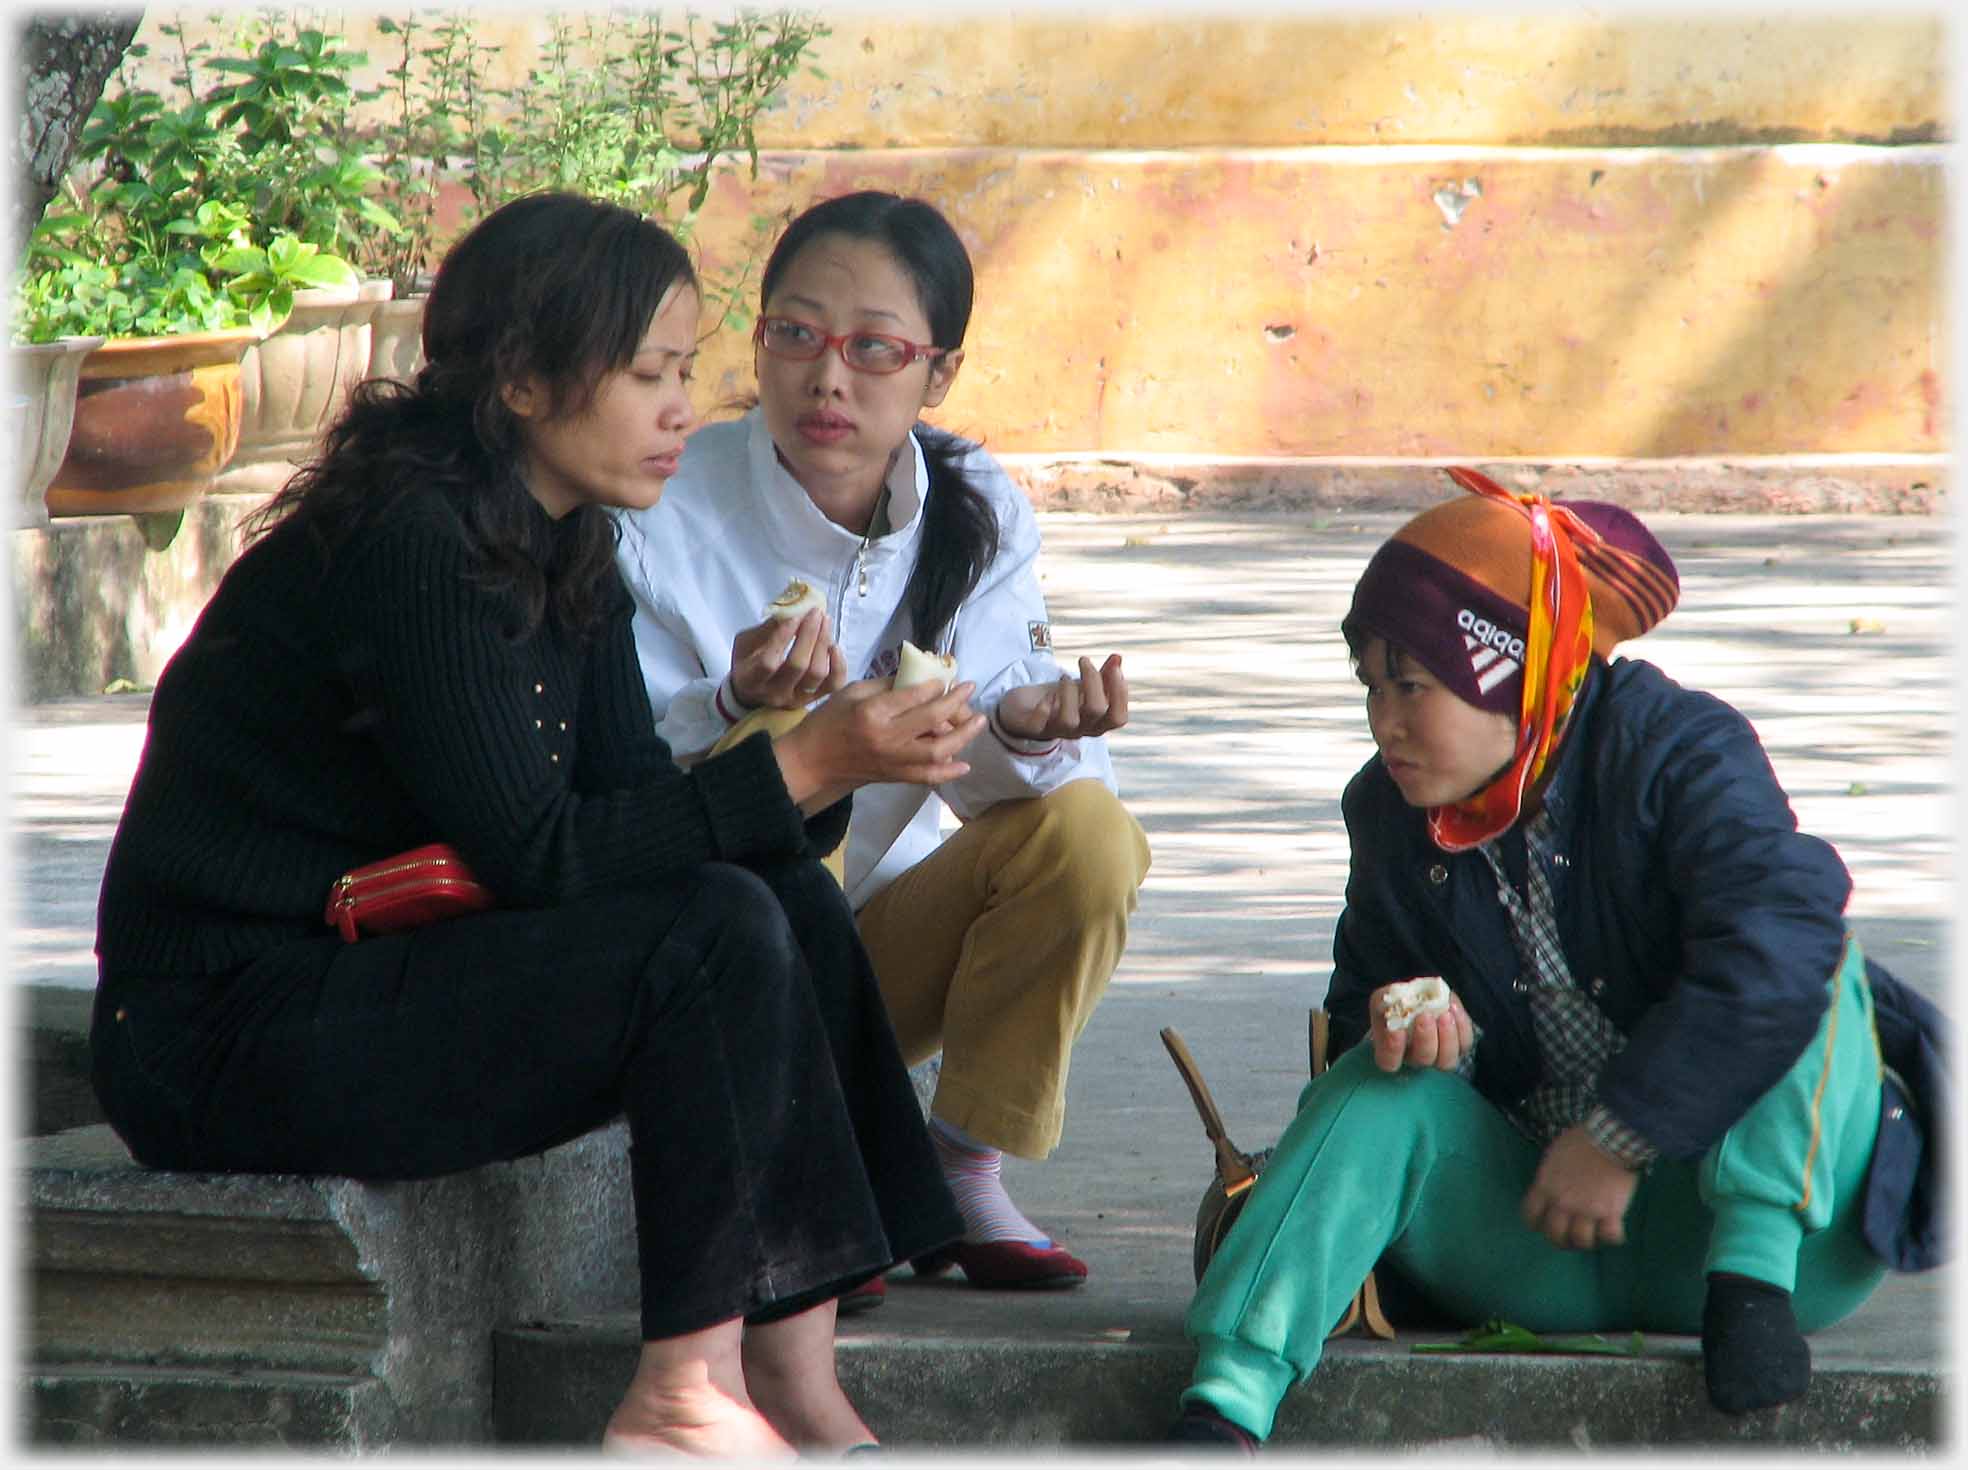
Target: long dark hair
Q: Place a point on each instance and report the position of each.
(552, 287)
(960, 531)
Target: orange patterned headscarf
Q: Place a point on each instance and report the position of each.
(1505, 598)
(1557, 652)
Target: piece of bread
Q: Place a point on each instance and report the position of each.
(795, 601)
(914, 667)
(1427, 996)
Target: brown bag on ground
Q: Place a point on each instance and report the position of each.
(1237, 1171)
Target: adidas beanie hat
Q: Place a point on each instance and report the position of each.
(1452, 589)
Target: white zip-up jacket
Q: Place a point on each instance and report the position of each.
(733, 528)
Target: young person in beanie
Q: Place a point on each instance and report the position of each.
(1653, 1100)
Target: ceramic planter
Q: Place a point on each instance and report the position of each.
(396, 348)
(359, 337)
(297, 378)
(156, 418)
(46, 375)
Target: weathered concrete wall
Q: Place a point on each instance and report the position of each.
(94, 604)
(1548, 237)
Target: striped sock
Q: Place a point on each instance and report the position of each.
(971, 1170)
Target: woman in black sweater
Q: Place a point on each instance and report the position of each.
(428, 642)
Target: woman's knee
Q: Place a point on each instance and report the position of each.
(1090, 837)
(733, 926)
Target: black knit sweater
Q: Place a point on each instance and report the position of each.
(325, 714)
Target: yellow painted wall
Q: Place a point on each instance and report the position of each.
(1400, 236)
(1321, 302)
(1039, 79)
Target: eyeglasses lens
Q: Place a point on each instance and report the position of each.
(875, 354)
(868, 352)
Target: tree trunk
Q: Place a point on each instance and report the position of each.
(64, 63)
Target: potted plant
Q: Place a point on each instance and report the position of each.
(157, 405)
(45, 377)
(162, 393)
(202, 216)
(279, 105)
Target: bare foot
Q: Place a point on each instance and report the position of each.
(789, 1377)
(816, 1416)
(704, 1423)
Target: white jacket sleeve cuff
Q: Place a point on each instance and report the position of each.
(1018, 744)
(725, 701)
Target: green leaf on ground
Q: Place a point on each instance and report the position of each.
(1498, 1336)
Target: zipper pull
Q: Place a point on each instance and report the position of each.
(861, 569)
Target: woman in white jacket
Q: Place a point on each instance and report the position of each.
(992, 944)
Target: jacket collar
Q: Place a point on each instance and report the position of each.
(795, 522)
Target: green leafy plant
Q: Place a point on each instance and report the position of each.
(188, 210)
(436, 100)
(209, 278)
(262, 136)
(647, 115)
(264, 281)
(290, 105)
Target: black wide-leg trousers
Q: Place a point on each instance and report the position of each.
(778, 1153)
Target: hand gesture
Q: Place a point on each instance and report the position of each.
(1070, 708)
(786, 664)
(1579, 1196)
(867, 732)
(1438, 1041)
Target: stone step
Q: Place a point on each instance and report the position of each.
(101, 1405)
(949, 1391)
(175, 1307)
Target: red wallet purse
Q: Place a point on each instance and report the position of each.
(413, 888)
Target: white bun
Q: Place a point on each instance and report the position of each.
(1427, 996)
(915, 667)
(795, 601)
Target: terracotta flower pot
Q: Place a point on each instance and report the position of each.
(46, 375)
(156, 418)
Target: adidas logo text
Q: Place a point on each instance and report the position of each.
(1482, 630)
(1494, 653)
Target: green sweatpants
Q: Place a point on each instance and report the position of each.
(1418, 1165)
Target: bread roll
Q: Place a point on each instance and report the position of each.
(1427, 996)
(915, 667)
(795, 601)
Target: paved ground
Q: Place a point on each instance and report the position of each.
(1832, 633)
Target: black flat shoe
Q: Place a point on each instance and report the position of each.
(1208, 1429)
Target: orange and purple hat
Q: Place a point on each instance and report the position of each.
(1452, 589)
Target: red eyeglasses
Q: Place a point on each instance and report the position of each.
(865, 352)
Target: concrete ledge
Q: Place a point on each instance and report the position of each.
(52, 1025)
(102, 598)
(1166, 484)
(556, 1385)
(135, 1272)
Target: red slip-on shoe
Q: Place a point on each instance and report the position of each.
(863, 1298)
(1007, 1265)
